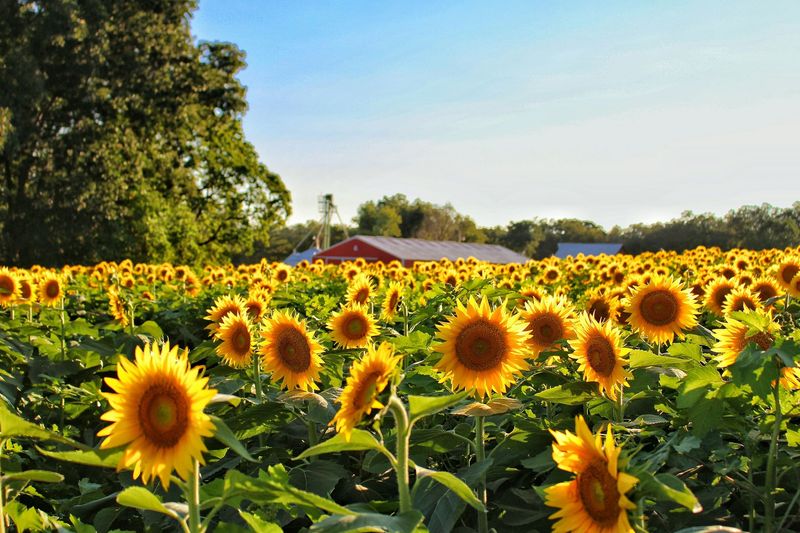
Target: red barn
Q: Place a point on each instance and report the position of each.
(408, 251)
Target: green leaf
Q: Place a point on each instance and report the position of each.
(402, 523)
(360, 440)
(642, 358)
(422, 406)
(575, 393)
(12, 425)
(102, 458)
(454, 484)
(667, 487)
(755, 369)
(141, 498)
(44, 476)
(696, 384)
(257, 524)
(224, 434)
(149, 328)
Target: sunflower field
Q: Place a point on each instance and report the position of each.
(658, 392)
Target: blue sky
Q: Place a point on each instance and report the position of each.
(615, 111)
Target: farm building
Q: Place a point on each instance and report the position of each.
(408, 251)
(566, 249)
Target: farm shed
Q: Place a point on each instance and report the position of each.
(408, 251)
(305, 255)
(566, 249)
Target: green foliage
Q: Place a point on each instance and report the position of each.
(121, 137)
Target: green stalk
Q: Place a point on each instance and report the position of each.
(769, 484)
(193, 498)
(621, 406)
(259, 392)
(395, 406)
(480, 455)
(132, 317)
(63, 331)
(2, 491)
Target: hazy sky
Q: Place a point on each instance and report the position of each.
(615, 111)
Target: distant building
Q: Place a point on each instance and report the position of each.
(408, 251)
(296, 257)
(566, 249)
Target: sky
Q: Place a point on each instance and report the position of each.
(616, 111)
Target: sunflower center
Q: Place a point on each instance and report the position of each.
(367, 391)
(789, 272)
(25, 291)
(355, 327)
(599, 493)
(551, 274)
(164, 415)
(6, 285)
(254, 309)
(740, 303)
(293, 350)
(240, 339)
(393, 301)
(765, 292)
(763, 339)
(600, 355)
(600, 310)
(659, 308)
(52, 289)
(480, 345)
(721, 294)
(545, 329)
(361, 296)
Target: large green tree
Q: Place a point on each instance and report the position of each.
(122, 137)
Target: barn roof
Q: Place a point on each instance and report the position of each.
(566, 249)
(296, 257)
(424, 250)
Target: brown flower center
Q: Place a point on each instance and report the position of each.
(254, 309)
(740, 303)
(788, 272)
(52, 289)
(394, 297)
(659, 308)
(600, 355)
(164, 414)
(765, 291)
(720, 294)
(293, 349)
(361, 296)
(355, 327)
(6, 286)
(367, 390)
(600, 310)
(545, 329)
(763, 339)
(551, 274)
(240, 339)
(481, 345)
(599, 494)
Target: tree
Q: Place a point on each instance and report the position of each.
(125, 138)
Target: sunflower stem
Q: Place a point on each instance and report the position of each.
(621, 405)
(398, 410)
(63, 331)
(132, 316)
(193, 498)
(2, 490)
(480, 455)
(769, 484)
(259, 392)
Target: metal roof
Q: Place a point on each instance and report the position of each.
(296, 257)
(424, 250)
(566, 249)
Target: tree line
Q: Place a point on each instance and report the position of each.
(756, 227)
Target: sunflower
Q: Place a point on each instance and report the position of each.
(739, 330)
(157, 411)
(50, 290)
(599, 349)
(352, 326)
(765, 288)
(661, 310)
(716, 292)
(368, 377)
(290, 352)
(741, 299)
(786, 271)
(360, 290)
(595, 500)
(256, 304)
(483, 349)
(603, 307)
(9, 287)
(116, 307)
(223, 306)
(794, 287)
(551, 275)
(549, 320)
(390, 300)
(235, 334)
(27, 290)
